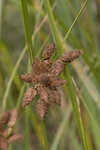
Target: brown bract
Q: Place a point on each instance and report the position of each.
(7, 122)
(45, 79)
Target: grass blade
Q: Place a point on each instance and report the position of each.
(28, 34)
(4, 101)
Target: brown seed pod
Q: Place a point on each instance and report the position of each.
(29, 95)
(26, 77)
(43, 94)
(54, 96)
(3, 143)
(57, 97)
(43, 79)
(36, 66)
(15, 137)
(42, 108)
(47, 53)
(5, 132)
(56, 82)
(70, 56)
(48, 64)
(39, 67)
(57, 68)
(4, 119)
(13, 118)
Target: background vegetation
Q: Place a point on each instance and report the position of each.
(26, 27)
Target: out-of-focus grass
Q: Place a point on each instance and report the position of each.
(81, 31)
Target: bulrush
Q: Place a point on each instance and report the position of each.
(45, 79)
(7, 123)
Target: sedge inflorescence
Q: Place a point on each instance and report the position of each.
(45, 79)
(7, 134)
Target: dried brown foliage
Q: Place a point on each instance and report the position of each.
(45, 79)
(7, 122)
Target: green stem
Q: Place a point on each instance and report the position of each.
(40, 129)
(76, 18)
(11, 79)
(53, 26)
(27, 129)
(27, 28)
(63, 126)
(77, 114)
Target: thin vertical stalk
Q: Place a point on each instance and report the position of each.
(1, 6)
(27, 129)
(77, 114)
(63, 126)
(40, 129)
(28, 34)
(11, 79)
(76, 18)
(53, 26)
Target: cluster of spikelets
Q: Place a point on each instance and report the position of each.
(45, 79)
(7, 123)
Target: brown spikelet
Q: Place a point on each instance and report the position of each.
(70, 56)
(57, 68)
(5, 133)
(54, 96)
(26, 77)
(57, 97)
(44, 94)
(47, 53)
(29, 95)
(15, 137)
(39, 67)
(48, 64)
(3, 143)
(4, 119)
(36, 66)
(42, 108)
(56, 82)
(43, 78)
(13, 118)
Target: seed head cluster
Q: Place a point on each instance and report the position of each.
(7, 123)
(45, 79)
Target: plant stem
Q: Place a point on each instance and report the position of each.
(11, 79)
(40, 129)
(77, 114)
(27, 28)
(76, 18)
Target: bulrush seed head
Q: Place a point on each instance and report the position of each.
(7, 123)
(45, 79)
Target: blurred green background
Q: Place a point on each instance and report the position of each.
(71, 24)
